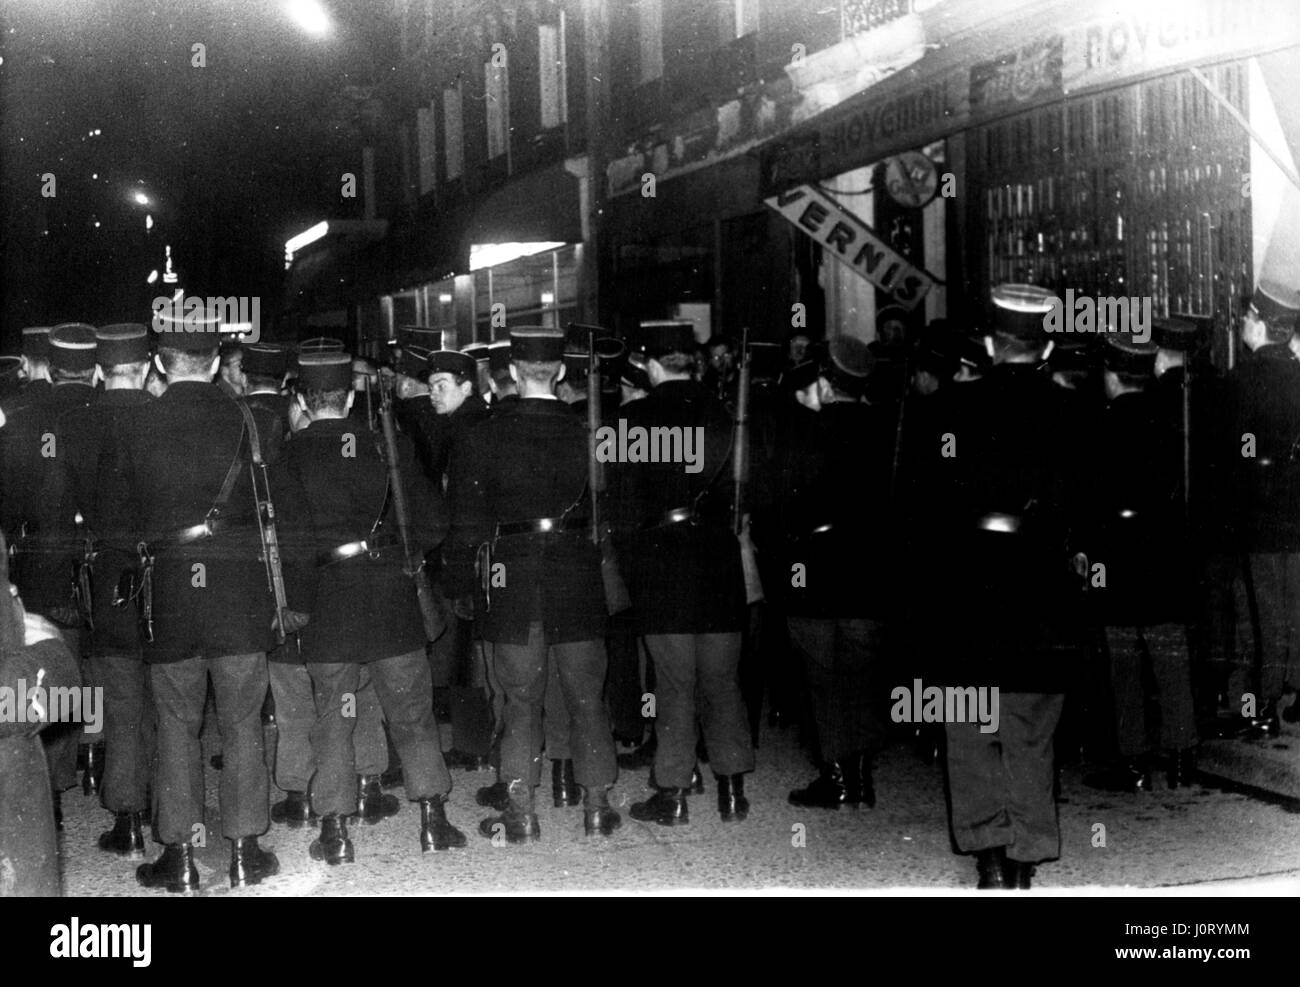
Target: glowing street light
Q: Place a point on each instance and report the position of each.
(141, 198)
(310, 16)
(153, 276)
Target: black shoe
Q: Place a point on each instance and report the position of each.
(294, 811)
(1182, 768)
(1017, 874)
(826, 792)
(250, 864)
(1126, 777)
(667, 807)
(174, 870)
(516, 826)
(495, 796)
(217, 761)
(732, 804)
(436, 833)
(642, 757)
(92, 781)
(333, 845)
(564, 787)
(126, 838)
(858, 783)
(373, 805)
(598, 816)
(697, 781)
(991, 865)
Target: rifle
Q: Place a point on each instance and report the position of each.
(603, 348)
(740, 477)
(431, 610)
(266, 526)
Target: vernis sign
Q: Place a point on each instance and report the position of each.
(852, 241)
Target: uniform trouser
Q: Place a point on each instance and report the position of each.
(295, 715)
(62, 739)
(239, 683)
(623, 687)
(557, 725)
(130, 733)
(1170, 664)
(403, 685)
(839, 658)
(523, 670)
(698, 672)
(1276, 580)
(1002, 782)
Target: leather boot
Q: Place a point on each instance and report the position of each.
(1126, 776)
(333, 845)
(991, 865)
(373, 804)
(249, 863)
(518, 823)
(564, 786)
(598, 817)
(827, 792)
(697, 781)
(494, 796)
(667, 807)
(294, 811)
(1018, 874)
(92, 781)
(174, 870)
(436, 833)
(858, 783)
(1182, 768)
(126, 838)
(732, 804)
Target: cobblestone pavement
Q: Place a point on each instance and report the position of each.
(1202, 838)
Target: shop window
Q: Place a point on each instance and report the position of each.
(538, 290)
(650, 38)
(497, 91)
(453, 132)
(426, 139)
(552, 74)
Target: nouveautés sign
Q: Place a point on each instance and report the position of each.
(853, 243)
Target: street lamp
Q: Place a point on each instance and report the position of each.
(141, 198)
(310, 16)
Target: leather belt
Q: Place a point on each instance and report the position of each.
(350, 550)
(540, 526)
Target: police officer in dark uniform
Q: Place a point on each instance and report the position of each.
(264, 367)
(1001, 488)
(1261, 468)
(1133, 527)
(32, 450)
(186, 492)
(116, 663)
(33, 370)
(837, 574)
(683, 570)
(521, 506)
(359, 573)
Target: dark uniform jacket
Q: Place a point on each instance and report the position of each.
(365, 608)
(30, 496)
(271, 412)
(683, 578)
(831, 514)
(416, 417)
(1264, 401)
(453, 430)
(1001, 608)
(528, 461)
(89, 435)
(1132, 515)
(168, 468)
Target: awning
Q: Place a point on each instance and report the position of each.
(331, 272)
(540, 206)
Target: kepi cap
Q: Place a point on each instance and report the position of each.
(1018, 310)
(73, 347)
(536, 344)
(124, 342)
(659, 337)
(452, 362)
(36, 342)
(325, 370)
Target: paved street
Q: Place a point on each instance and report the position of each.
(1204, 837)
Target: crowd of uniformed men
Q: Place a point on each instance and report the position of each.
(977, 508)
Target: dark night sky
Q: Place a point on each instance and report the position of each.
(236, 156)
